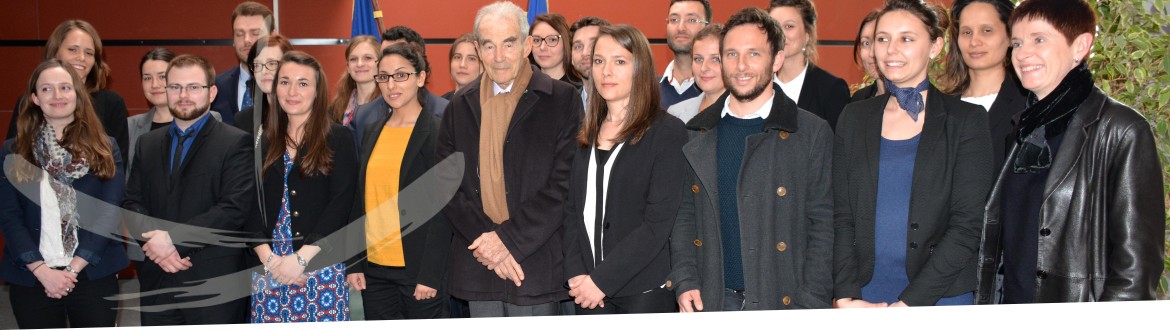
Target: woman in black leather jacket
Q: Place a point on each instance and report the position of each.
(1078, 212)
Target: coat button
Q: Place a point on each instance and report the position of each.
(694, 188)
(668, 284)
(787, 300)
(1045, 232)
(698, 243)
(784, 135)
(782, 246)
(913, 246)
(1041, 274)
(781, 191)
(292, 192)
(297, 234)
(296, 214)
(914, 225)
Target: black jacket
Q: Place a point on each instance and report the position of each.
(642, 199)
(538, 154)
(1011, 100)
(425, 248)
(319, 205)
(1103, 216)
(823, 94)
(952, 173)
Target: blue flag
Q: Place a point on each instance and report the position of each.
(535, 8)
(364, 21)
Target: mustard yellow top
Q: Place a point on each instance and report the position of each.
(383, 235)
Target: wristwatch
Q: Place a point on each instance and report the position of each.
(69, 269)
(301, 261)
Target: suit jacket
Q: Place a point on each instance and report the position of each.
(864, 93)
(225, 103)
(823, 94)
(140, 124)
(538, 153)
(785, 209)
(319, 205)
(1103, 214)
(379, 111)
(642, 199)
(20, 223)
(952, 174)
(214, 189)
(427, 247)
(110, 109)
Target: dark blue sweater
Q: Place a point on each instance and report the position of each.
(732, 135)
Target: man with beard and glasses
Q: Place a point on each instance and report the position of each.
(516, 129)
(684, 19)
(195, 174)
(755, 229)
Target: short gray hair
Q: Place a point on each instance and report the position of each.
(502, 9)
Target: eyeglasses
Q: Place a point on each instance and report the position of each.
(689, 21)
(270, 65)
(552, 40)
(398, 76)
(191, 89)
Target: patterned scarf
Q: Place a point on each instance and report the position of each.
(1044, 119)
(61, 166)
(909, 98)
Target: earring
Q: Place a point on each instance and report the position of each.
(1076, 61)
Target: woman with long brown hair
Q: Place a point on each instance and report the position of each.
(623, 190)
(309, 177)
(58, 257)
(356, 86)
(77, 43)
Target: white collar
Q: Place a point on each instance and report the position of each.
(498, 90)
(763, 112)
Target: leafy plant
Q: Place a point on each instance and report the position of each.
(1130, 63)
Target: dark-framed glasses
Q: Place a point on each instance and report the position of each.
(397, 76)
(552, 40)
(191, 89)
(270, 65)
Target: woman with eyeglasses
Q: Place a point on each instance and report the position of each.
(77, 43)
(911, 172)
(264, 59)
(357, 84)
(400, 277)
(58, 208)
(310, 174)
(863, 56)
(814, 89)
(464, 60)
(551, 49)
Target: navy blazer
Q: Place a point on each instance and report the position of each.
(225, 103)
(951, 179)
(20, 223)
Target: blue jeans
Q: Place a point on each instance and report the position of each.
(733, 300)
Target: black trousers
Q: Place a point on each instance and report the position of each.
(85, 306)
(231, 312)
(658, 300)
(389, 295)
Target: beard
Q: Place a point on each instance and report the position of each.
(750, 94)
(190, 114)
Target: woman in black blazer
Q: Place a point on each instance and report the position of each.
(986, 79)
(821, 92)
(622, 191)
(399, 278)
(911, 172)
(309, 178)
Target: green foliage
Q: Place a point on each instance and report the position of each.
(1130, 63)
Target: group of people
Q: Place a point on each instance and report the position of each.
(744, 177)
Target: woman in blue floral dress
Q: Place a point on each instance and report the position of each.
(308, 186)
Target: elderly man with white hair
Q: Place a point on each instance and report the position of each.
(516, 128)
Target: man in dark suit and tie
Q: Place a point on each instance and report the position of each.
(250, 21)
(191, 179)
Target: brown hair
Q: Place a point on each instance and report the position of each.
(83, 138)
(756, 17)
(271, 40)
(187, 60)
(713, 30)
(808, 14)
(347, 85)
(251, 8)
(413, 54)
(558, 23)
(466, 37)
(955, 77)
(317, 157)
(1071, 18)
(934, 17)
(871, 17)
(99, 75)
(645, 104)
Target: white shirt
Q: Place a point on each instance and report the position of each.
(242, 86)
(984, 101)
(792, 88)
(679, 86)
(51, 247)
(585, 97)
(763, 112)
(500, 90)
(687, 109)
